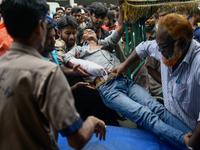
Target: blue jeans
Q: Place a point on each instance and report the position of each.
(135, 103)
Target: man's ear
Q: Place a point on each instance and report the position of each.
(182, 43)
(39, 27)
(59, 33)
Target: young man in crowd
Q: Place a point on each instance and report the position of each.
(131, 100)
(68, 9)
(67, 27)
(98, 13)
(153, 65)
(60, 11)
(110, 21)
(76, 13)
(56, 16)
(32, 104)
(194, 18)
(115, 9)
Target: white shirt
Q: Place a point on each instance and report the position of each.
(183, 99)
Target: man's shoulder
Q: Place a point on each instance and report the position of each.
(105, 32)
(60, 42)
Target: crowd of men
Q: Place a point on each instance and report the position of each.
(41, 94)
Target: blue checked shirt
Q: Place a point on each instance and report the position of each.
(181, 88)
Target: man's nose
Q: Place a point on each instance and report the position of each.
(53, 40)
(71, 36)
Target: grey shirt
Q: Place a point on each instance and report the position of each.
(102, 56)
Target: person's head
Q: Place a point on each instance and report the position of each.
(115, 9)
(68, 9)
(56, 16)
(174, 36)
(86, 34)
(76, 13)
(195, 15)
(150, 23)
(86, 13)
(67, 27)
(98, 13)
(117, 16)
(48, 12)
(75, 5)
(20, 25)
(81, 6)
(49, 44)
(60, 11)
(110, 19)
(129, 34)
(83, 19)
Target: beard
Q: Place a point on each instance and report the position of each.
(172, 60)
(69, 45)
(150, 28)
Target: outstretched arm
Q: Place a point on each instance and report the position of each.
(92, 125)
(121, 27)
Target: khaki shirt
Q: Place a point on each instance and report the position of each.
(34, 95)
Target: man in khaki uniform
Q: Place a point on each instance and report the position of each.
(35, 97)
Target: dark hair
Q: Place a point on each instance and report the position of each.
(156, 16)
(75, 10)
(50, 24)
(114, 8)
(80, 34)
(67, 21)
(195, 10)
(86, 11)
(55, 15)
(68, 6)
(99, 9)
(117, 15)
(21, 17)
(59, 8)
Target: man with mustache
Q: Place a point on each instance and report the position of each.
(67, 27)
(180, 68)
(153, 65)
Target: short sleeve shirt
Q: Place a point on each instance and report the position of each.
(35, 97)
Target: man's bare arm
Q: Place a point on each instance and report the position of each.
(92, 125)
(193, 140)
(126, 64)
(154, 74)
(121, 27)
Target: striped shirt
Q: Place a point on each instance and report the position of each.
(181, 98)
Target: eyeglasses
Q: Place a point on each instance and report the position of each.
(163, 46)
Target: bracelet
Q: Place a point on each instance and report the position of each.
(188, 147)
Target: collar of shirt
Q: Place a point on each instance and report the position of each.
(54, 56)
(189, 55)
(25, 48)
(197, 27)
(152, 36)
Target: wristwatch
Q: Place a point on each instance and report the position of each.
(188, 147)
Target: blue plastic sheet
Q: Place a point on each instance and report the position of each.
(120, 138)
